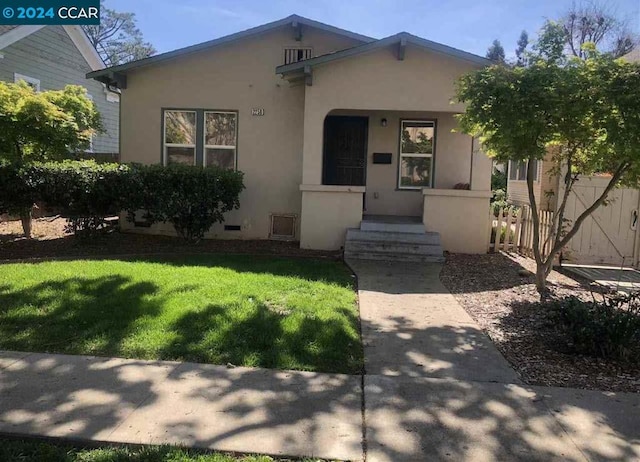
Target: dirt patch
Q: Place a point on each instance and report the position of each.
(503, 300)
(52, 241)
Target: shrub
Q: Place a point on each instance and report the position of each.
(18, 191)
(609, 328)
(191, 198)
(86, 191)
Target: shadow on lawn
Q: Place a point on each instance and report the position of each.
(266, 339)
(74, 315)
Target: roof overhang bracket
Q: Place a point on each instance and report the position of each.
(119, 79)
(308, 76)
(402, 46)
(297, 30)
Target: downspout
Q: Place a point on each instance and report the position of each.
(636, 239)
(471, 164)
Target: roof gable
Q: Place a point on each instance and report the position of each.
(294, 21)
(401, 39)
(12, 34)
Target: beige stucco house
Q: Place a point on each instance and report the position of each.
(331, 129)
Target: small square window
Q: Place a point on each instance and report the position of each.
(33, 83)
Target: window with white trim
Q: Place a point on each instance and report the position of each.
(33, 83)
(179, 137)
(294, 55)
(220, 138)
(518, 170)
(204, 137)
(417, 138)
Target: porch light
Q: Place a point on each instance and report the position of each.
(383, 122)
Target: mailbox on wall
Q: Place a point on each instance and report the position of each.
(382, 157)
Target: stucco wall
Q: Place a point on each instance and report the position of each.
(238, 76)
(50, 56)
(423, 81)
(461, 218)
(452, 161)
(327, 213)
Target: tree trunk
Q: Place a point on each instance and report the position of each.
(541, 280)
(25, 217)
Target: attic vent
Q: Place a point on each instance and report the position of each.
(293, 55)
(283, 227)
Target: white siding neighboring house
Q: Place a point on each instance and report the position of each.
(51, 57)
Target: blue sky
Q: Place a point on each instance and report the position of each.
(470, 25)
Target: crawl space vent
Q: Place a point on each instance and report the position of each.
(283, 226)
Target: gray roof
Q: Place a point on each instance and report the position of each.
(5, 29)
(402, 37)
(289, 20)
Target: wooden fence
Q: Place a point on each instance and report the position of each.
(512, 230)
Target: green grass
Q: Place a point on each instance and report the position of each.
(245, 310)
(35, 451)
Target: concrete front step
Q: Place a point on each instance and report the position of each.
(393, 247)
(380, 226)
(408, 257)
(425, 238)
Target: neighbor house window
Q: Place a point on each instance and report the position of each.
(417, 139)
(518, 170)
(220, 138)
(294, 55)
(180, 137)
(33, 83)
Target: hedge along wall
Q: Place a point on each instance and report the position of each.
(86, 192)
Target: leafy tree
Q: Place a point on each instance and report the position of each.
(496, 52)
(117, 38)
(589, 108)
(46, 125)
(597, 23)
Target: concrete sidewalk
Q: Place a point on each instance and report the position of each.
(156, 402)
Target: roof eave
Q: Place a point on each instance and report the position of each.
(122, 68)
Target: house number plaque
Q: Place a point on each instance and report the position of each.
(257, 112)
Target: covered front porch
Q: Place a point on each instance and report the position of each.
(379, 139)
(397, 167)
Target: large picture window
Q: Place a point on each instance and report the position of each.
(180, 137)
(200, 137)
(220, 129)
(417, 138)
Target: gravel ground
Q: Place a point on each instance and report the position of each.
(51, 241)
(506, 305)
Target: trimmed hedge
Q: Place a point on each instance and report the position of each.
(191, 198)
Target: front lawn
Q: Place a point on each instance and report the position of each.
(36, 451)
(244, 310)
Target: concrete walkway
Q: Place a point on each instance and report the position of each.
(625, 280)
(436, 389)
